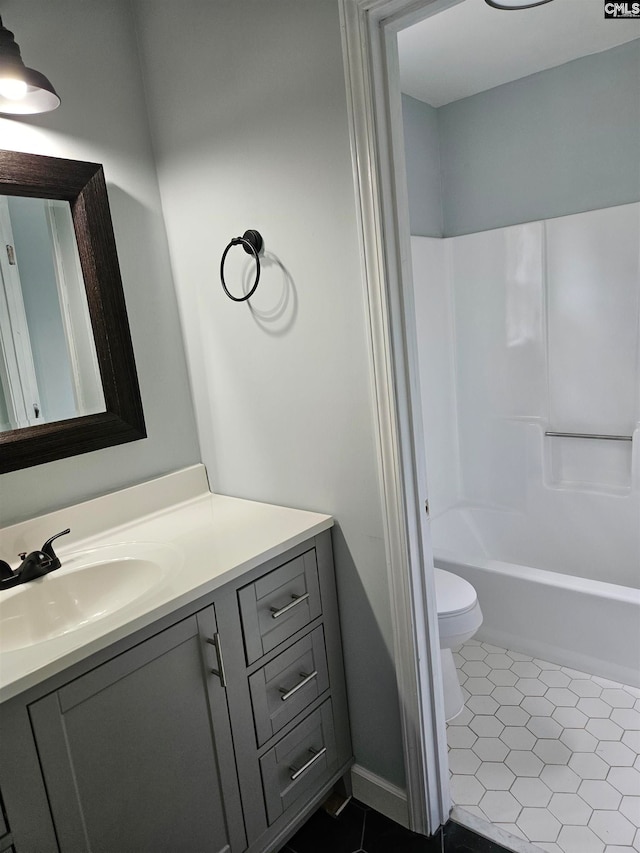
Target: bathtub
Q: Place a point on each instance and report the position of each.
(589, 625)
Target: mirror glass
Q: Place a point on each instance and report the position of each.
(48, 363)
(68, 380)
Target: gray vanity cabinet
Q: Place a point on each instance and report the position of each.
(137, 753)
(216, 729)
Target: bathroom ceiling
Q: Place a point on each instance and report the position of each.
(471, 47)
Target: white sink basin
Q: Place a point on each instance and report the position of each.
(90, 585)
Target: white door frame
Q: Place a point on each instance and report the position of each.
(369, 29)
(17, 370)
(76, 322)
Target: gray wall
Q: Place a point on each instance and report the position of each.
(252, 132)
(422, 158)
(562, 141)
(88, 50)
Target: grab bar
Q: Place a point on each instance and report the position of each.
(591, 435)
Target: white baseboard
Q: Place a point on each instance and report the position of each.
(391, 801)
(376, 792)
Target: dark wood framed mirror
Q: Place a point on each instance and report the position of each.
(83, 186)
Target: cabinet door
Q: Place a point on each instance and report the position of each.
(137, 754)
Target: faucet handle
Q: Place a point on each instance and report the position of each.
(6, 571)
(47, 548)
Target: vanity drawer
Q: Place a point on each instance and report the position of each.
(285, 687)
(278, 604)
(298, 763)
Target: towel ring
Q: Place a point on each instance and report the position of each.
(252, 242)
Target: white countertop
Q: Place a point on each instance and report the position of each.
(215, 540)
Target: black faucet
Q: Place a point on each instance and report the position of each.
(34, 565)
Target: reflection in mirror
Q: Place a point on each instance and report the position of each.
(48, 363)
(68, 381)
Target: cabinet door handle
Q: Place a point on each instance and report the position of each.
(316, 755)
(297, 599)
(287, 694)
(215, 642)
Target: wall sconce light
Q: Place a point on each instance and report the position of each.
(515, 4)
(23, 91)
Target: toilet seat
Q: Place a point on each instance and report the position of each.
(453, 594)
(459, 614)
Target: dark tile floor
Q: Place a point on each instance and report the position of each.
(360, 829)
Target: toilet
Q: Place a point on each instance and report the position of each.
(459, 617)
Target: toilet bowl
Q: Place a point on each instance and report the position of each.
(459, 617)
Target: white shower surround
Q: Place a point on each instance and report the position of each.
(523, 330)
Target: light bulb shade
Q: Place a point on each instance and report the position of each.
(37, 95)
(515, 4)
(40, 96)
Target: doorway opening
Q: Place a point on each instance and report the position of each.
(499, 199)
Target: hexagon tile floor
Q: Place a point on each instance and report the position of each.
(547, 753)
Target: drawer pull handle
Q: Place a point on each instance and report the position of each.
(287, 694)
(316, 755)
(297, 599)
(215, 642)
